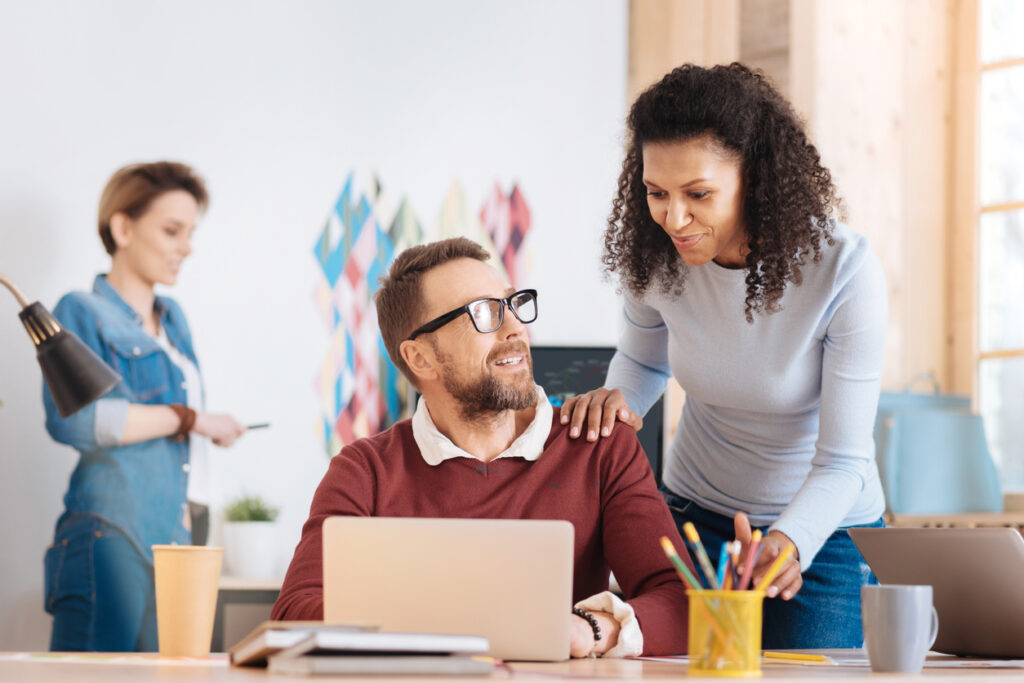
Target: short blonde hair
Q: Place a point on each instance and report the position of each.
(133, 188)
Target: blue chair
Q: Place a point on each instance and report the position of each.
(936, 461)
(890, 403)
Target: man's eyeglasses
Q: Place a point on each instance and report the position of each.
(488, 314)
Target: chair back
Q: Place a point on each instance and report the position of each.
(936, 461)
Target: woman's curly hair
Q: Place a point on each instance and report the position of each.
(788, 196)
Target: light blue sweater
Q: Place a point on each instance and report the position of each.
(779, 413)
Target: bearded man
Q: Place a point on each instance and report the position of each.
(484, 443)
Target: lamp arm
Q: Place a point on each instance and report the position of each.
(14, 290)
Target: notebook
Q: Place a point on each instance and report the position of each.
(403, 665)
(335, 652)
(509, 581)
(270, 637)
(976, 578)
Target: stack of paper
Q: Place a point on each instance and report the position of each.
(273, 636)
(362, 652)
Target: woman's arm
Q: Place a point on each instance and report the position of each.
(636, 377)
(114, 421)
(145, 422)
(850, 384)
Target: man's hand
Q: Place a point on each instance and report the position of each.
(788, 581)
(581, 635)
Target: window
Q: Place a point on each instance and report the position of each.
(999, 226)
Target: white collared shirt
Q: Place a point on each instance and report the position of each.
(435, 448)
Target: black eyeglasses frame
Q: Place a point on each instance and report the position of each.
(442, 320)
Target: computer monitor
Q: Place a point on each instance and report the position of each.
(566, 371)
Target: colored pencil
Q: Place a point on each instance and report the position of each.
(796, 656)
(677, 562)
(712, 615)
(776, 566)
(723, 564)
(734, 567)
(703, 561)
(748, 568)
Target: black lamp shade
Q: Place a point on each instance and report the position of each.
(75, 375)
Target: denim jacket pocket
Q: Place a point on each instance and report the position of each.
(142, 364)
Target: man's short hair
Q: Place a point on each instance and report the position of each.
(399, 300)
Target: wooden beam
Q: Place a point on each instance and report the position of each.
(999, 208)
(1001, 355)
(1003, 64)
(962, 285)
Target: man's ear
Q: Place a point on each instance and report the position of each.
(121, 229)
(420, 359)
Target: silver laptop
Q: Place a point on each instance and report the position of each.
(508, 580)
(977, 578)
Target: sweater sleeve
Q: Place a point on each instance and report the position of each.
(347, 489)
(634, 517)
(850, 382)
(640, 366)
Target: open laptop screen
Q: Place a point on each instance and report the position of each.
(975, 575)
(509, 580)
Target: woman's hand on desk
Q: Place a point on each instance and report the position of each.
(220, 428)
(789, 580)
(599, 409)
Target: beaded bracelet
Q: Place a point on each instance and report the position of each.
(590, 619)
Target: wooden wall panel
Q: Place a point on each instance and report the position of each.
(962, 174)
(764, 39)
(873, 79)
(666, 33)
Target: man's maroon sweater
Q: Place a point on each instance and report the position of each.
(606, 489)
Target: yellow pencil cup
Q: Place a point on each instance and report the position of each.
(725, 632)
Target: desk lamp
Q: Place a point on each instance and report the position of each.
(75, 375)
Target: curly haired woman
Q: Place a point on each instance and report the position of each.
(739, 281)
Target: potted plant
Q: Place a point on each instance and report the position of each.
(250, 538)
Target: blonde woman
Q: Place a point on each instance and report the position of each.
(142, 447)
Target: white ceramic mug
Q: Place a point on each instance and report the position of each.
(900, 626)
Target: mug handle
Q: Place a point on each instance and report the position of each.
(935, 627)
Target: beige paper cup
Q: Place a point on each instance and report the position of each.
(186, 598)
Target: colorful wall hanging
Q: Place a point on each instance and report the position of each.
(360, 390)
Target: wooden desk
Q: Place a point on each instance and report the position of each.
(971, 520)
(603, 669)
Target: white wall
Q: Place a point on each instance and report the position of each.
(275, 102)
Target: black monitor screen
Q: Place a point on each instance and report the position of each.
(566, 371)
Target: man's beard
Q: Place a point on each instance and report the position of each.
(485, 394)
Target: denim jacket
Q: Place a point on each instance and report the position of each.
(138, 488)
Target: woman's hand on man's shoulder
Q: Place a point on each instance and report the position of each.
(594, 413)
